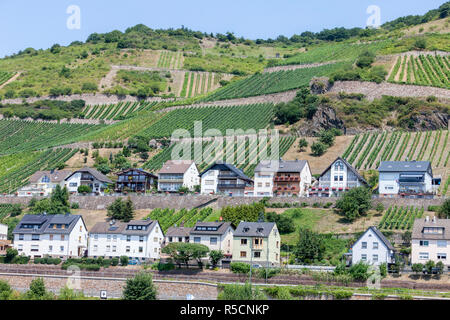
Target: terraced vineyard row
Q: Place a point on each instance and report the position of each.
(242, 152)
(5, 210)
(426, 70)
(368, 150)
(17, 168)
(198, 83)
(5, 76)
(400, 218)
(170, 60)
(188, 218)
(116, 111)
(19, 135)
(273, 82)
(245, 117)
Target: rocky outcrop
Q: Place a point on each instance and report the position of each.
(324, 118)
(319, 85)
(430, 121)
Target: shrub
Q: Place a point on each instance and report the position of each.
(84, 189)
(140, 287)
(240, 267)
(240, 292)
(124, 260)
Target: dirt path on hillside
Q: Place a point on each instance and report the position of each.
(13, 78)
(297, 66)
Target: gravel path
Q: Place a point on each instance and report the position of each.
(297, 66)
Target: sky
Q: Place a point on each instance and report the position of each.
(40, 24)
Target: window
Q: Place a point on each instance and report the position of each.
(62, 237)
(197, 240)
(375, 258)
(51, 237)
(278, 244)
(364, 257)
(424, 243)
(127, 249)
(95, 236)
(424, 255)
(170, 239)
(243, 242)
(45, 179)
(335, 178)
(243, 254)
(35, 248)
(20, 236)
(115, 238)
(267, 184)
(95, 248)
(50, 248)
(341, 178)
(128, 238)
(180, 239)
(114, 249)
(108, 248)
(73, 184)
(442, 256)
(20, 247)
(256, 254)
(61, 248)
(213, 241)
(141, 238)
(141, 249)
(364, 245)
(108, 237)
(35, 237)
(442, 243)
(259, 184)
(375, 245)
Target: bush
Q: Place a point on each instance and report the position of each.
(115, 261)
(240, 267)
(74, 205)
(124, 261)
(84, 189)
(318, 149)
(141, 287)
(240, 292)
(163, 266)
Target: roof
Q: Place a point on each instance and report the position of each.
(239, 173)
(255, 229)
(55, 176)
(138, 170)
(380, 236)
(118, 227)
(222, 227)
(281, 166)
(97, 175)
(176, 166)
(419, 224)
(178, 232)
(405, 166)
(44, 222)
(349, 166)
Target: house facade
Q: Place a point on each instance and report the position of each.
(63, 236)
(42, 183)
(135, 180)
(430, 240)
(405, 178)
(257, 243)
(3, 231)
(223, 178)
(176, 174)
(214, 235)
(4, 242)
(97, 181)
(282, 178)
(373, 248)
(137, 239)
(338, 178)
(177, 234)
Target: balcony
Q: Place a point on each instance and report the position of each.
(227, 176)
(286, 179)
(164, 180)
(231, 186)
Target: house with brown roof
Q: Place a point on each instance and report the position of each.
(430, 240)
(42, 183)
(177, 234)
(135, 180)
(97, 181)
(137, 239)
(176, 174)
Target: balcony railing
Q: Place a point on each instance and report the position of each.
(231, 186)
(286, 179)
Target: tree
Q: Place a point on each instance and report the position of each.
(310, 246)
(354, 203)
(429, 266)
(302, 144)
(444, 210)
(124, 261)
(121, 210)
(37, 290)
(215, 256)
(284, 222)
(327, 137)
(417, 268)
(11, 253)
(5, 290)
(140, 287)
(318, 149)
(240, 213)
(440, 267)
(182, 252)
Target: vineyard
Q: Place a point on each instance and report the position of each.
(169, 217)
(116, 111)
(15, 169)
(425, 70)
(18, 135)
(400, 218)
(198, 83)
(5, 210)
(170, 60)
(273, 82)
(5, 76)
(242, 152)
(245, 117)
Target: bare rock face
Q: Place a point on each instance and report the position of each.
(430, 121)
(319, 85)
(324, 118)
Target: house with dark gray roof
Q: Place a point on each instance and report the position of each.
(214, 235)
(224, 178)
(405, 178)
(257, 243)
(282, 178)
(177, 234)
(51, 235)
(336, 179)
(372, 247)
(97, 181)
(137, 239)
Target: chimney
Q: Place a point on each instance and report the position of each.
(427, 218)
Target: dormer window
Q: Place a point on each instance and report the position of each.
(45, 179)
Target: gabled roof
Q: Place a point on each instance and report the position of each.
(138, 170)
(404, 166)
(239, 173)
(54, 176)
(349, 166)
(178, 232)
(44, 223)
(222, 227)
(96, 174)
(118, 227)
(380, 236)
(281, 166)
(420, 224)
(254, 229)
(176, 166)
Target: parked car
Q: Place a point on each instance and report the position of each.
(134, 262)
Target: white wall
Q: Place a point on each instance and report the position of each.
(3, 231)
(370, 238)
(224, 241)
(263, 184)
(191, 177)
(76, 179)
(432, 250)
(209, 182)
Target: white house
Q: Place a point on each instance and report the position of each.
(177, 234)
(338, 178)
(373, 248)
(176, 174)
(405, 178)
(97, 181)
(3, 231)
(282, 178)
(61, 236)
(226, 179)
(42, 183)
(214, 235)
(430, 240)
(137, 239)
